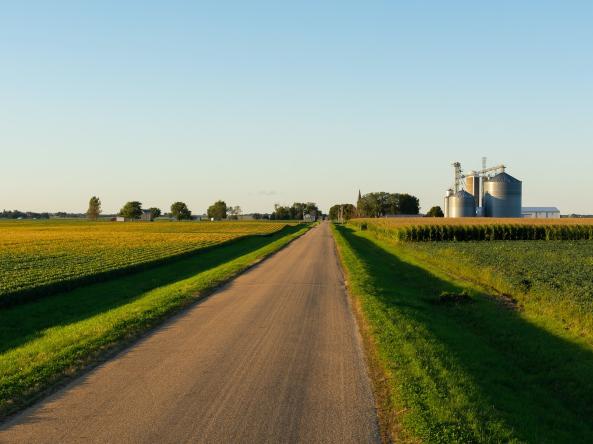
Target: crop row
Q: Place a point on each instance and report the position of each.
(421, 232)
(40, 258)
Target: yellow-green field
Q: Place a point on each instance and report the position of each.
(39, 257)
(44, 340)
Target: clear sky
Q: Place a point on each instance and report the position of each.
(264, 102)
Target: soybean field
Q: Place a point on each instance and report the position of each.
(553, 278)
(41, 257)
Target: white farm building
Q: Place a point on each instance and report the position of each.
(540, 212)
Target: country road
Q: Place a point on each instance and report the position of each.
(274, 357)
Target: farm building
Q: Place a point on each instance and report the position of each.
(540, 212)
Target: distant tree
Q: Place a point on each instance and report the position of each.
(16, 214)
(371, 205)
(281, 213)
(342, 213)
(435, 212)
(180, 211)
(217, 211)
(348, 211)
(295, 212)
(408, 204)
(312, 210)
(234, 212)
(154, 212)
(94, 208)
(381, 204)
(131, 210)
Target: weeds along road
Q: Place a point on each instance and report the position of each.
(272, 357)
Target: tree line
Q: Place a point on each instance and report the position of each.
(382, 204)
(298, 211)
(217, 211)
(179, 210)
(16, 214)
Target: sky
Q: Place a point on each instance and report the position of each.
(258, 103)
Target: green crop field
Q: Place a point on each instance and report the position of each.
(44, 340)
(41, 257)
(486, 341)
(553, 279)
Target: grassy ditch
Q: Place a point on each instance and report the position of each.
(47, 340)
(460, 366)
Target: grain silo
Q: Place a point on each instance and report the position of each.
(502, 196)
(461, 204)
(448, 194)
(472, 185)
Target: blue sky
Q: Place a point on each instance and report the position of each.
(264, 102)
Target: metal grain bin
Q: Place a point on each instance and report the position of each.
(462, 204)
(472, 185)
(502, 196)
(447, 196)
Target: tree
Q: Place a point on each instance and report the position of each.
(295, 212)
(94, 208)
(131, 210)
(342, 213)
(408, 204)
(372, 205)
(312, 210)
(180, 211)
(435, 212)
(281, 213)
(217, 210)
(234, 212)
(154, 212)
(381, 204)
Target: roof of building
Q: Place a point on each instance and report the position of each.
(462, 194)
(540, 210)
(504, 178)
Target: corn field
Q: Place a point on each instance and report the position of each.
(478, 229)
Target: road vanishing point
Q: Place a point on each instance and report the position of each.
(273, 357)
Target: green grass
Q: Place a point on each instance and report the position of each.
(470, 371)
(45, 340)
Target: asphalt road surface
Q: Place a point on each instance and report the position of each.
(274, 357)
